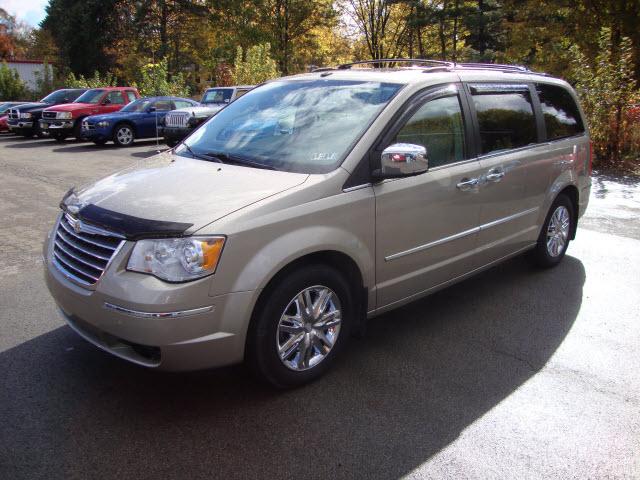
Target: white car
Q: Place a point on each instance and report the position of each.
(179, 123)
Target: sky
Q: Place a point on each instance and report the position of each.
(30, 11)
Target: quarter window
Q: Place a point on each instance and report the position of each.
(561, 115)
(131, 96)
(438, 126)
(505, 118)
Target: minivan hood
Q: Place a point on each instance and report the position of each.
(170, 188)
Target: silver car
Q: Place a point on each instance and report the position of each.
(313, 203)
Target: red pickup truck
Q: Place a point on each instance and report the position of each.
(62, 121)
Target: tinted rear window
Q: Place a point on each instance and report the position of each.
(505, 118)
(561, 115)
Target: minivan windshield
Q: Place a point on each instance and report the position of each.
(217, 95)
(304, 126)
(90, 96)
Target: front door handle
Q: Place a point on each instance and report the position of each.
(467, 184)
(494, 175)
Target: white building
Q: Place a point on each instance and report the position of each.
(27, 70)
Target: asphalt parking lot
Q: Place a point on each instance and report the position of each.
(516, 373)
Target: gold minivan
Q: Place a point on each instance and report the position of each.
(314, 202)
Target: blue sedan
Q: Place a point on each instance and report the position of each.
(139, 119)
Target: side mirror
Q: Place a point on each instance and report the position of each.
(402, 160)
(106, 101)
(151, 109)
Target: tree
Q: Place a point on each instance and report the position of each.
(382, 24)
(607, 88)
(11, 87)
(156, 81)
(258, 66)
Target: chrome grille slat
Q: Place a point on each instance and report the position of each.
(70, 265)
(63, 237)
(78, 258)
(92, 241)
(83, 251)
(176, 119)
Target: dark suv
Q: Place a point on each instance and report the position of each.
(25, 119)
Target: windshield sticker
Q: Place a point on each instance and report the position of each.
(324, 157)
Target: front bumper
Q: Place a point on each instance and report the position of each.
(19, 125)
(96, 134)
(53, 126)
(174, 133)
(154, 323)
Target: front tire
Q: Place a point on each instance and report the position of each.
(556, 233)
(123, 135)
(59, 137)
(300, 326)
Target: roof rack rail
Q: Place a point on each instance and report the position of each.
(435, 65)
(493, 66)
(414, 61)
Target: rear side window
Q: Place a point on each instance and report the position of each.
(438, 126)
(561, 115)
(505, 117)
(115, 98)
(131, 96)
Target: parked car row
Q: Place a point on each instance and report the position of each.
(115, 114)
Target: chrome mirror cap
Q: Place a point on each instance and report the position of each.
(403, 159)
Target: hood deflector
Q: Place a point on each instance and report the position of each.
(133, 228)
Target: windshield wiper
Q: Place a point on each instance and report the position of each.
(237, 160)
(202, 156)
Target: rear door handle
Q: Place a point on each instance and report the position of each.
(467, 184)
(494, 175)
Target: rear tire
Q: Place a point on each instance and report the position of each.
(300, 325)
(555, 234)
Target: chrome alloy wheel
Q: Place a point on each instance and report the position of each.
(558, 231)
(308, 328)
(125, 135)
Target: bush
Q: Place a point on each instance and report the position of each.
(156, 81)
(97, 81)
(257, 67)
(608, 90)
(11, 87)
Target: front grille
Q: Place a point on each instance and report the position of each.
(176, 119)
(82, 251)
(50, 115)
(14, 113)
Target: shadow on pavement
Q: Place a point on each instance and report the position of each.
(421, 375)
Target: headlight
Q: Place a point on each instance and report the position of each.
(64, 115)
(25, 115)
(102, 124)
(177, 259)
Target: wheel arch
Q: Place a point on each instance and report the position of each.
(571, 192)
(341, 261)
(125, 122)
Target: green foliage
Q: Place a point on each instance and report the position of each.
(155, 81)
(257, 67)
(607, 88)
(45, 81)
(98, 80)
(11, 87)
